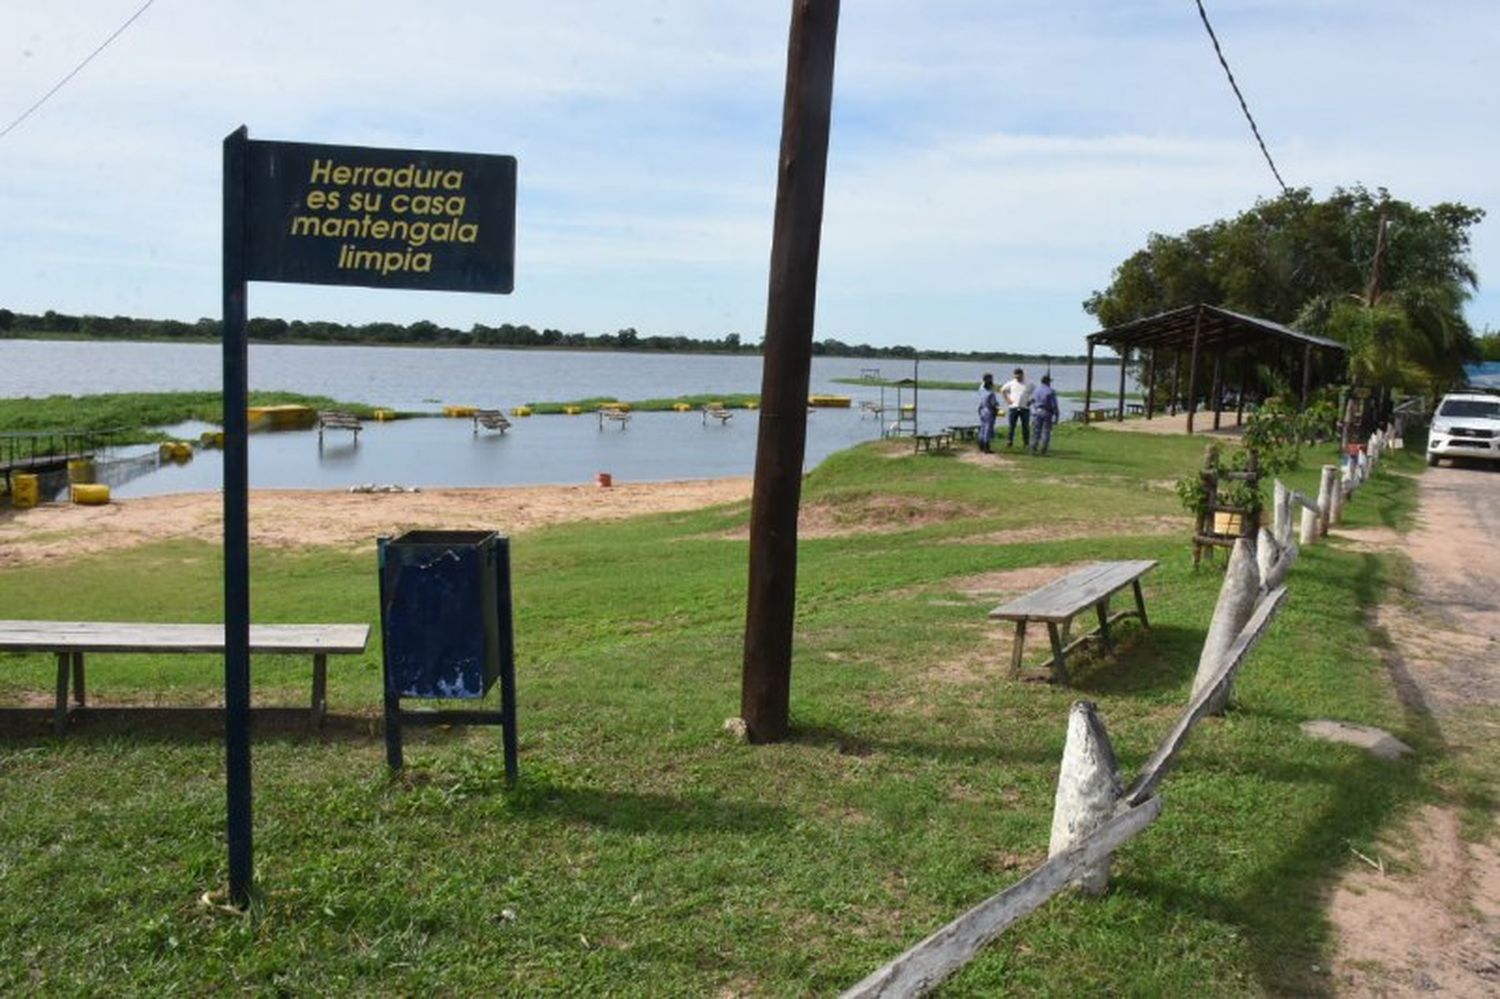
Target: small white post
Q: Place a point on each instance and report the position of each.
(1336, 507)
(1088, 790)
(1307, 528)
(1327, 486)
(1281, 513)
(1236, 603)
(1267, 551)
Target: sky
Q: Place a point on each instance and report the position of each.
(990, 162)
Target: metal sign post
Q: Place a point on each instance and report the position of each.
(349, 215)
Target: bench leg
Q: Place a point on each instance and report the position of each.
(1140, 603)
(60, 713)
(1059, 666)
(1016, 649)
(1102, 609)
(78, 696)
(319, 688)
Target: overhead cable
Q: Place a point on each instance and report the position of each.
(1243, 106)
(89, 58)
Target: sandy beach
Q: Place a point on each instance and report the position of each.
(290, 518)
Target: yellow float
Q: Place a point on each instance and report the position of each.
(830, 401)
(285, 417)
(90, 494)
(26, 491)
(520, 411)
(464, 412)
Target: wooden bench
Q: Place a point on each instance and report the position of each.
(338, 420)
(69, 640)
(490, 419)
(933, 442)
(968, 432)
(614, 415)
(1061, 600)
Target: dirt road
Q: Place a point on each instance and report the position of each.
(1431, 922)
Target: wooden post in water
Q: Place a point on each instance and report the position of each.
(765, 689)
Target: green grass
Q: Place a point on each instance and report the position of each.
(132, 417)
(643, 852)
(733, 400)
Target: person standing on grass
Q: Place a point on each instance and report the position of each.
(989, 408)
(1044, 403)
(1017, 395)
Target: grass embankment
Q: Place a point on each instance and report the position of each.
(590, 404)
(923, 384)
(643, 852)
(132, 417)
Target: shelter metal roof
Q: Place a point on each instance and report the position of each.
(1221, 330)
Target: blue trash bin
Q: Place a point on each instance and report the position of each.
(446, 629)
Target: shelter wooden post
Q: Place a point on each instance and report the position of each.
(1151, 384)
(1120, 403)
(1192, 402)
(1176, 379)
(1088, 383)
(1218, 387)
(1239, 402)
(1306, 375)
(765, 691)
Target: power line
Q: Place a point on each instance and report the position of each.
(88, 59)
(1243, 106)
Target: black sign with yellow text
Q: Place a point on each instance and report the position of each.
(383, 218)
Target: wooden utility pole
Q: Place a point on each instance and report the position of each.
(765, 689)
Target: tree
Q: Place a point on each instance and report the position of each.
(1315, 264)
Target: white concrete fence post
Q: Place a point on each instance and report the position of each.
(1236, 603)
(1327, 487)
(1088, 791)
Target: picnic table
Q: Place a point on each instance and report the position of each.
(69, 640)
(933, 442)
(1057, 603)
(965, 432)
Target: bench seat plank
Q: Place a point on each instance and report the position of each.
(110, 636)
(1062, 599)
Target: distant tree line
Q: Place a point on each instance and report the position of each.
(426, 333)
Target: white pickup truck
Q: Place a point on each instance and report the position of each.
(1465, 425)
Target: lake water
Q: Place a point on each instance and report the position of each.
(446, 452)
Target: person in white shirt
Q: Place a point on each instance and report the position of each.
(1017, 396)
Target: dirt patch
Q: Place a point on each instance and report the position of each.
(994, 460)
(1065, 529)
(1430, 920)
(1418, 925)
(299, 518)
(868, 515)
(1004, 583)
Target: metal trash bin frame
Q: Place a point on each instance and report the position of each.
(497, 547)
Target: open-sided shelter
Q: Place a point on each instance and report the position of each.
(1204, 332)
